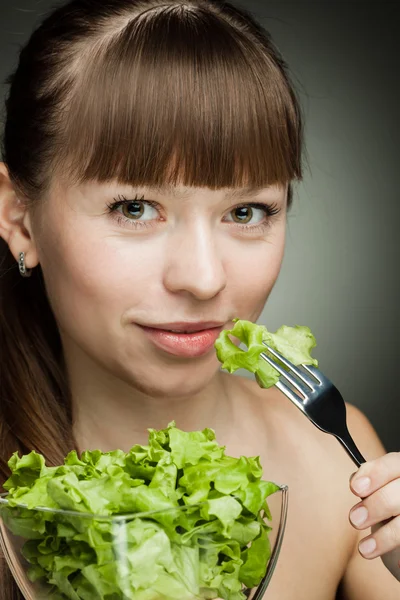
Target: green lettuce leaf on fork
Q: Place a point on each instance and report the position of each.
(208, 539)
(294, 343)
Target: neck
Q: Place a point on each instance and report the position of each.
(110, 413)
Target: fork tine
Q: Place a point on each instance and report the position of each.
(300, 374)
(289, 394)
(317, 374)
(295, 383)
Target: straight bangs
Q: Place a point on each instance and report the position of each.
(180, 95)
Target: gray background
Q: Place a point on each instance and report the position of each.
(340, 275)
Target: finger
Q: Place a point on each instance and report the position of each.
(384, 540)
(379, 506)
(373, 475)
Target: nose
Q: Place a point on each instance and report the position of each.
(193, 263)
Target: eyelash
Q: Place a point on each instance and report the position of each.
(270, 210)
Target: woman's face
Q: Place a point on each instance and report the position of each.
(189, 260)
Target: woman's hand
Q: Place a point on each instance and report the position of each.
(377, 483)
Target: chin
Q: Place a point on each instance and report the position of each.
(174, 382)
(173, 389)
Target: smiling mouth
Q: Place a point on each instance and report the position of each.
(194, 327)
(190, 340)
(186, 331)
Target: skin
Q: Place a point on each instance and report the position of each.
(194, 262)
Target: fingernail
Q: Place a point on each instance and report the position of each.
(367, 546)
(362, 485)
(359, 516)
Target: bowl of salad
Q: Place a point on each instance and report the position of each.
(176, 519)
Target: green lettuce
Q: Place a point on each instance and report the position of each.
(294, 343)
(207, 538)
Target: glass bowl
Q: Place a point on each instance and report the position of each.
(60, 554)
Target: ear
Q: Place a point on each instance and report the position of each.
(15, 221)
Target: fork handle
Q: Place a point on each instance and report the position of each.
(348, 444)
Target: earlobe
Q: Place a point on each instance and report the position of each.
(15, 226)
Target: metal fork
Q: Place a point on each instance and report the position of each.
(317, 398)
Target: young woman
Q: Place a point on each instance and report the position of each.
(149, 152)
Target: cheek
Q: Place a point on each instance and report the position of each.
(92, 279)
(253, 273)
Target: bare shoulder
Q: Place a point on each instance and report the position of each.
(278, 411)
(287, 433)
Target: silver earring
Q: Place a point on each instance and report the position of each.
(22, 267)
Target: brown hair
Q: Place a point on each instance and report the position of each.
(148, 92)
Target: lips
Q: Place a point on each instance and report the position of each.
(188, 340)
(186, 327)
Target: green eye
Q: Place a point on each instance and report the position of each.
(242, 214)
(249, 214)
(133, 210)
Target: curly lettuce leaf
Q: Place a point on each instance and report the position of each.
(294, 343)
